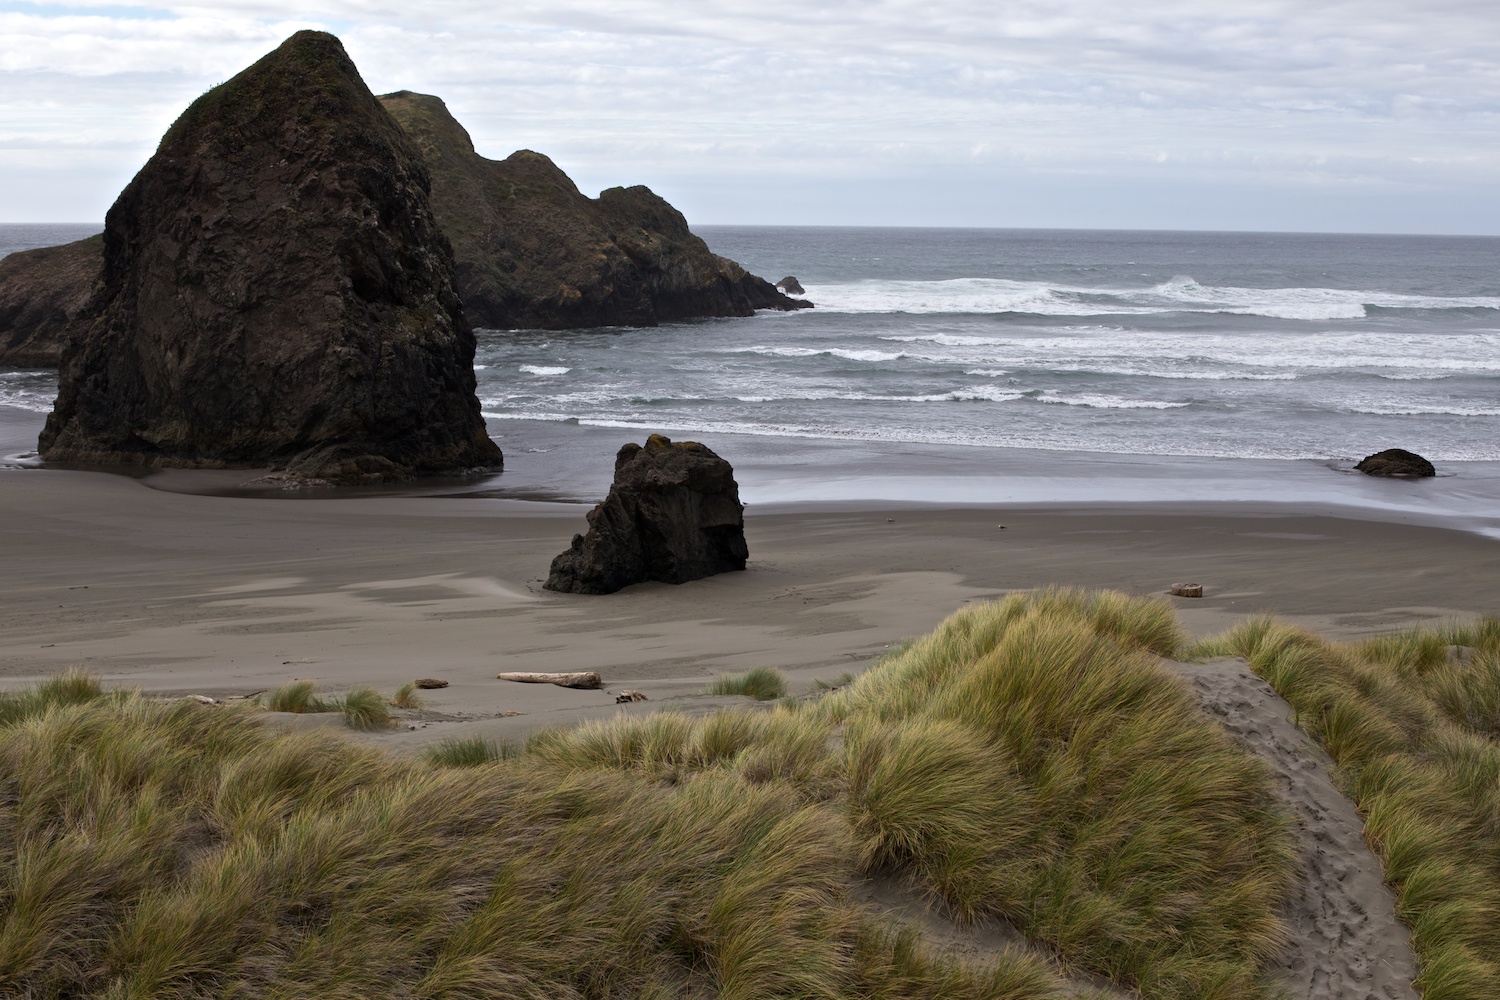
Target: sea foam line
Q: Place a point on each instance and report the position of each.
(983, 296)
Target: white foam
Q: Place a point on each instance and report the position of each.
(1181, 294)
(1100, 402)
(1254, 355)
(980, 437)
(28, 390)
(847, 354)
(545, 370)
(1425, 410)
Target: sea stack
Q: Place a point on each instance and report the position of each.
(672, 515)
(534, 252)
(276, 291)
(43, 295)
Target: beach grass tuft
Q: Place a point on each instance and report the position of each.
(1413, 721)
(364, 709)
(298, 697)
(760, 683)
(406, 697)
(73, 687)
(468, 751)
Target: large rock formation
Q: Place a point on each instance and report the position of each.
(277, 291)
(1396, 463)
(673, 515)
(533, 251)
(43, 293)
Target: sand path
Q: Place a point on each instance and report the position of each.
(1344, 940)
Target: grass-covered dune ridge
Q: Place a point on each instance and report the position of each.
(1026, 760)
(178, 851)
(1413, 720)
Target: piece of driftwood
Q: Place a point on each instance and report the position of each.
(625, 697)
(588, 679)
(1187, 590)
(430, 683)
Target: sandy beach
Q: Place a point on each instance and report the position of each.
(180, 593)
(172, 583)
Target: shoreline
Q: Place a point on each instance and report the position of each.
(571, 465)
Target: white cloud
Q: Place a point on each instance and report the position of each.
(1262, 97)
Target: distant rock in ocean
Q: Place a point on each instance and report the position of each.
(791, 286)
(43, 293)
(672, 515)
(277, 292)
(534, 252)
(1396, 463)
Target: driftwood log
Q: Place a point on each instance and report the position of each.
(588, 679)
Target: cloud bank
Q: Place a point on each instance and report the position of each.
(1370, 116)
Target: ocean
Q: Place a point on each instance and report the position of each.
(1228, 345)
(1003, 349)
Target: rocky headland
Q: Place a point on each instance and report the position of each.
(673, 514)
(276, 291)
(530, 251)
(43, 293)
(534, 252)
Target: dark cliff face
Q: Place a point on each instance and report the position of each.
(276, 291)
(43, 299)
(534, 252)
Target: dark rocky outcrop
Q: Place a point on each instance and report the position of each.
(43, 293)
(1396, 463)
(533, 252)
(277, 291)
(673, 515)
(790, 286)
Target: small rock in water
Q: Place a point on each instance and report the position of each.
(1396, 463)
(791, 286)
(429, 683)
(1187, 590)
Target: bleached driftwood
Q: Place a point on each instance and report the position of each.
(588, 679)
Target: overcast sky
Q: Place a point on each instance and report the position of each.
(1370, 116)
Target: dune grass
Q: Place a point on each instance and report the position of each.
(71, 688)
(469, 751)
(760, 683)
(363, 708)
(1027, 760)
(1414, 731)
(406, 697)
(298, 697)
(175, 851)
